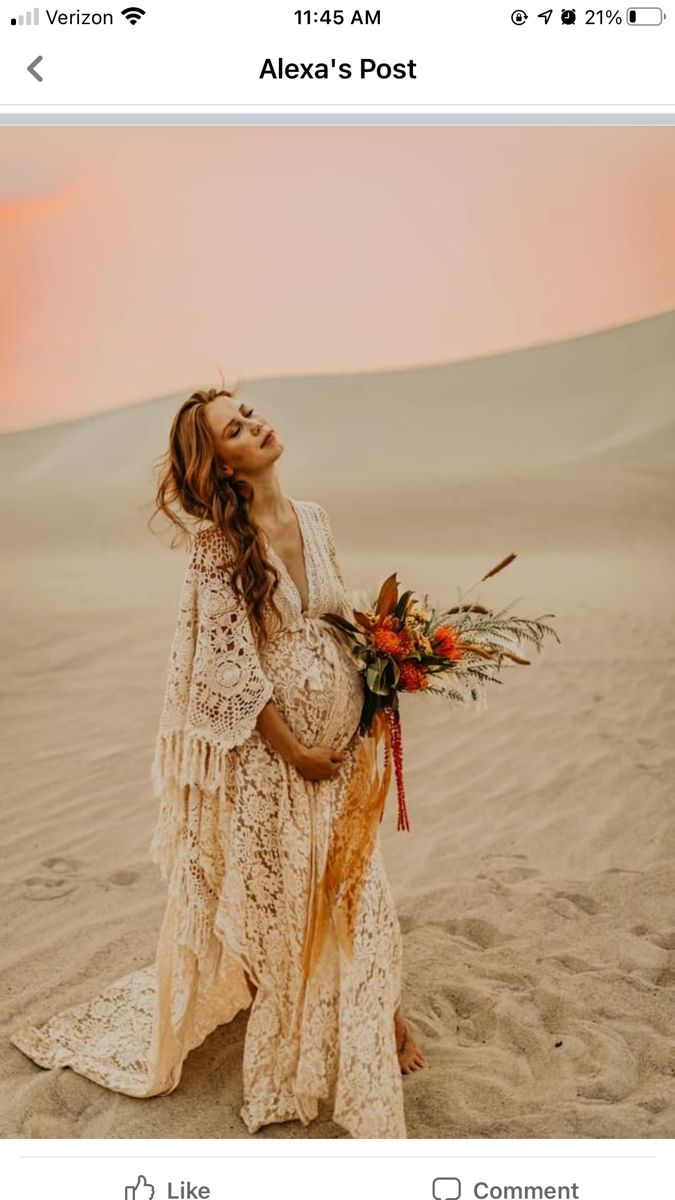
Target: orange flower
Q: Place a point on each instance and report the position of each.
(412, 677)
(389, 638)
(388, 642)
(446, 643)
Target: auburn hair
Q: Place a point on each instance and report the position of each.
(191, 482)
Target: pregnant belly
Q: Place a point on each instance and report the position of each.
(318, 686)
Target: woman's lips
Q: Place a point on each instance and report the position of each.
(268, 437)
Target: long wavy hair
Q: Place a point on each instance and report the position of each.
(191, 482)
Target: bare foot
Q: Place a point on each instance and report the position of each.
(410, 1057)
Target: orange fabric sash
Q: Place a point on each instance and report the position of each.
(351, 846)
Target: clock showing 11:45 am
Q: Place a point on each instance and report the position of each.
(336, 16)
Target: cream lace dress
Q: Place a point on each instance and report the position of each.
(241, 840)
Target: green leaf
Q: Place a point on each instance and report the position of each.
(375, 677)
(401, 606)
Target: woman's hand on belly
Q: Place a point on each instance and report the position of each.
(318, 762)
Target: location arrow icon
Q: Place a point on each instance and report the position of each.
(31, 67)
(546, 15)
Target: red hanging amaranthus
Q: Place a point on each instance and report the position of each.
(394, 722)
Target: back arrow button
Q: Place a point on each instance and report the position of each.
(31, 67)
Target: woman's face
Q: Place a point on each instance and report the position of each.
(238, 431)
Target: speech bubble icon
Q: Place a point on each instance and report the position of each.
(447, 1189)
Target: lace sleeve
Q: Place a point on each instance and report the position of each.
(216, 686)
(229, 685)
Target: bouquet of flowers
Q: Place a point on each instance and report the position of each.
(408, 647)
(403, 646)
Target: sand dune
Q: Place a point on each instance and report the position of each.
(536, 889)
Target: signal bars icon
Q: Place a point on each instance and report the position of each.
(133, 14)
(31, 18)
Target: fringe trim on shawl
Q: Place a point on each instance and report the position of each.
(182, 759)
(186, 763)
(196, 934)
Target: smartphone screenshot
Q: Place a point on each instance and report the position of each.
(337, 496)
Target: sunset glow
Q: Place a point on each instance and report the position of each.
(139, 261)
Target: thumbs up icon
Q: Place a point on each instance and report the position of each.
(141, 1191)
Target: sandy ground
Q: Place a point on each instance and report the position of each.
(536, 889)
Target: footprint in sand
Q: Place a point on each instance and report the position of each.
(474, 930)
(37, 888)
(61, 879)
(505, 873)
(664, 940)
(516, 874)
(657, 1104)
(570, 962)
(123, 878)
(62, 866)
(569, 904)
(63, 875)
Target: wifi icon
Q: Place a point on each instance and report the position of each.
(133, 14)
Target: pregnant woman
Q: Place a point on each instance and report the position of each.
(256, 747)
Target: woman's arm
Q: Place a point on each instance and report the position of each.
(274, 729)
(313, 762)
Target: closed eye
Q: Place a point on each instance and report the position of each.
(238, 427)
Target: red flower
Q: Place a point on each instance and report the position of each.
(412, 677)
(446, 643)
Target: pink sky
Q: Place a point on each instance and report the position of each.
(136, 261)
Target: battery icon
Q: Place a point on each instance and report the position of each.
(644, 16)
